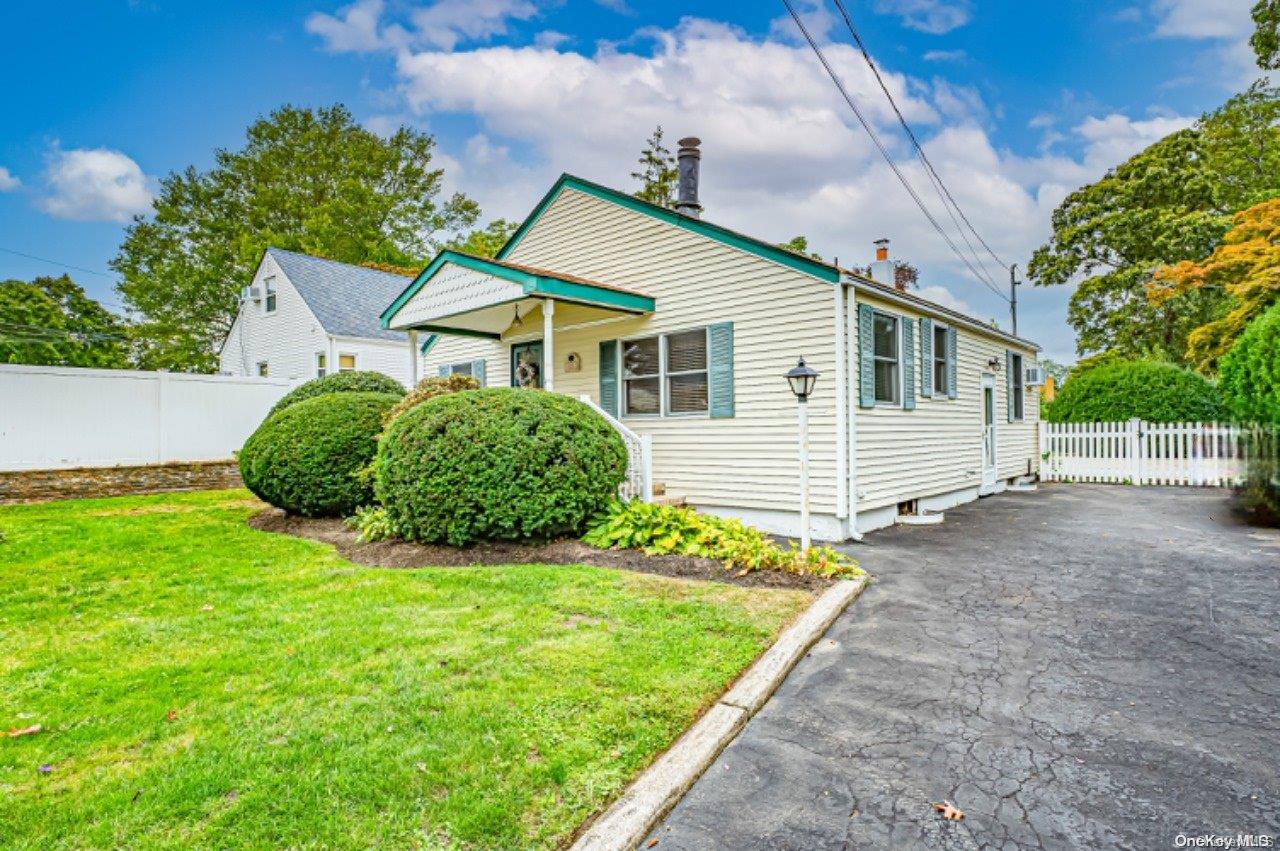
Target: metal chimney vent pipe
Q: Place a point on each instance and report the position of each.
(688, 158)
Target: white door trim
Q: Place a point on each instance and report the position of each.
(990, 434)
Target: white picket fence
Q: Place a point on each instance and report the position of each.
(1141, 453)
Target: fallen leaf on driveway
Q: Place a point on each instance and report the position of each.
(25, 731)
(949, 811)
(651, 842)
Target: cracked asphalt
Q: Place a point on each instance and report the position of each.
(1087, 666)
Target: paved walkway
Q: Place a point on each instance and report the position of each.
(1083, 667)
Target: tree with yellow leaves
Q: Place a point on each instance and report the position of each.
(1246, 266)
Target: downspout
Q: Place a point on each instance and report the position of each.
(842, 470)
(851, 403)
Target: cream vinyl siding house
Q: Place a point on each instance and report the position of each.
(302, 317)
(683, 331)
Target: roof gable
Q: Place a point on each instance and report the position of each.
(807, 265)
(346, 300)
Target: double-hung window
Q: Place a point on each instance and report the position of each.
(262, 369)
(888, 359)
(1016, 379)
(322, 364)
(940, 371)
(463, 368)
(346, 363)
(269, 304)
(665, 375)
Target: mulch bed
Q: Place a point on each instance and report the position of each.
(406, 554)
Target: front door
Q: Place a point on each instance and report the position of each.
(988, 435)
(526, 364)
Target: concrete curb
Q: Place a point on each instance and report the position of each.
(662, 784)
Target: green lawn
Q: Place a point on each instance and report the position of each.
(204, 684)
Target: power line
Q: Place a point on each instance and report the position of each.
(866, 125)
(71, 266)
(937, 179)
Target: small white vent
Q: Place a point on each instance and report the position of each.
(1034, 376)
(251, 294)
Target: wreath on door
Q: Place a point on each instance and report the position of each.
(527, 374)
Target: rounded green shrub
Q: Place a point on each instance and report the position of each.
(340, 382)
(1152, 391)
(1249, 373)
(497, 464)
(306, 458)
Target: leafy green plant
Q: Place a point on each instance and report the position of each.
(1150, 390)
(497, 464)
(1250, 371)
(360, 381)
(664, 529)
(306, 458)
(372, 524)
(429, 388)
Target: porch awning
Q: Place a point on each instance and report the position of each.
(477, 297)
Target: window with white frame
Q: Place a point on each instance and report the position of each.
(262, 369)
(888, 359)
(1017, 378)
(269, 303)
(465, 368)
(346, 362)
(322, 364)
(940, 372)
(665, 375)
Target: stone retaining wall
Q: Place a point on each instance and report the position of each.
(36, 485)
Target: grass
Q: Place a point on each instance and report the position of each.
(204, 684)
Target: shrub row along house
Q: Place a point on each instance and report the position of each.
(681, 330)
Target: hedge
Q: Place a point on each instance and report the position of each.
(305, 459)
(429, 388)
(340, 382)
(1249, 373)
(497, 464)
(1150, 390)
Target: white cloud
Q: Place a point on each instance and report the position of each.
(8, 181)
(930, 16)
(444, 24)
(550, 39)
(1202, 18)
(354, 29)
(944, 297)
(945, 56)
(95, 184)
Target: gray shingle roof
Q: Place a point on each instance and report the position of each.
(348, 300)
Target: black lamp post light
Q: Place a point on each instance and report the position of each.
(801, 379)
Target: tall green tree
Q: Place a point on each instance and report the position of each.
(310, 180)
(53, 321)
(1171, 202)
(486, 241)
(1266, 34)
(658, 174)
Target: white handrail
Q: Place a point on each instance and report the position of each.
(639, 481)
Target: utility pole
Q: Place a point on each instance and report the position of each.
(1013, 296)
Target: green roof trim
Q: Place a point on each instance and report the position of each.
(430, 342)
(533, 285)
(751, 245)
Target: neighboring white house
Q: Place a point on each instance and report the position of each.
(683, 330)
(303, 317)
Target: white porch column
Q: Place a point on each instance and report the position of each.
(413, 359)
(548, 348)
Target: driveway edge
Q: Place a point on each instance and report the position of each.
(651, 795)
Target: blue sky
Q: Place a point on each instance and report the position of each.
(1019, 103)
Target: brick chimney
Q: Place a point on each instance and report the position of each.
(882, 270)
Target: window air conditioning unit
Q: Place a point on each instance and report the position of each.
(251, 294)
(1034, 376)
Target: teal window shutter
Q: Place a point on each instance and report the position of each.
(908, 364)
(951, 363)
(720, 370)
(926, 357)
(478, 371)
(443, 371)
(609, 376)
(1008, 382)
(866, 356)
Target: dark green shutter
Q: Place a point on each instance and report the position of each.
(926, 357)
(609, 376)
(866, 356)
(951, 363)
(478, 371)
(1008, 382)
(443, 370)
(720, 369)
(908, 364)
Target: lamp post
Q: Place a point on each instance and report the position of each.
(802, 377)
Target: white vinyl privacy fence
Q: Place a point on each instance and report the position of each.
(54, 417)
(1141, 453)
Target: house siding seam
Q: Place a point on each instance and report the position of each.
(744, 461)
(936, 448)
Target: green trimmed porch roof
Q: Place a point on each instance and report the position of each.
(465, 295)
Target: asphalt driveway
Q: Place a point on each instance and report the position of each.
(1082, 667)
